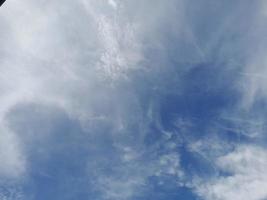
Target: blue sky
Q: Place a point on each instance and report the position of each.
(133, 100)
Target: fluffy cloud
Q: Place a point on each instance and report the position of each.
(244, 178)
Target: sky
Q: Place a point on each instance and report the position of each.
(133, 100)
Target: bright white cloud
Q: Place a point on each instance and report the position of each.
(246, 176)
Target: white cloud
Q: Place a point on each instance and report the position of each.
(246, 179)
(13, 162)
(78, 56)
(113, 3)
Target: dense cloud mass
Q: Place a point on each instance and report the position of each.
(133, 100)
